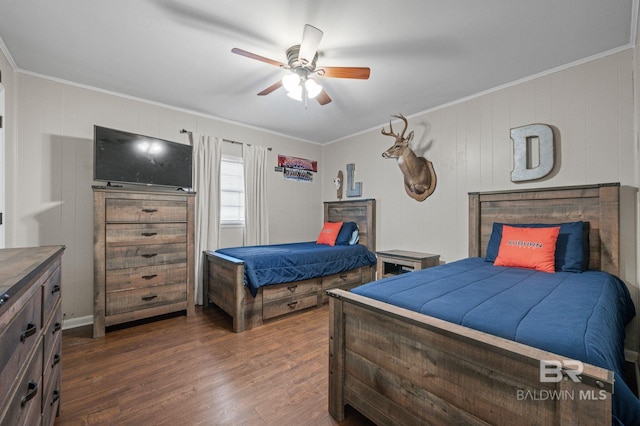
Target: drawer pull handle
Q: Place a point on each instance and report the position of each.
(149, 210)
(149, 277)
(55, 289)
(149, 234)
(32, 390)
(56, 396)
(56, 327)
(148, 256)
(292, 288)
(343, 276)
(28, 332)
(56, 360)
(292, 305)
(148, 298)
(4, 298)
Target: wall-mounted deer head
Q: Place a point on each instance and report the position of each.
(419, 175)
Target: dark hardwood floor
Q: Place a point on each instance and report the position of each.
(195, 371)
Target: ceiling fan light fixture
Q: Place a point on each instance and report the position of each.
(296, 93)
(312, 87)
(291, 82)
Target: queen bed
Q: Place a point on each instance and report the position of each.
(260, 283)
(474, 343)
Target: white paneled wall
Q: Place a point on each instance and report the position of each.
(590, 106)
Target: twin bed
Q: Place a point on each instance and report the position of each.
(257, 284)
(473, 343)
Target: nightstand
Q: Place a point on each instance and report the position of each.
(393, 262)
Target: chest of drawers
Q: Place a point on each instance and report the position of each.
(143, 255)
(30, 335)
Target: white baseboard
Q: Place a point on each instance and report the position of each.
(77, 322)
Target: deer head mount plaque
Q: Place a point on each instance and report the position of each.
(419, 175)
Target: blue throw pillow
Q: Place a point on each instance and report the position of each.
(572, 247)
(346, 232)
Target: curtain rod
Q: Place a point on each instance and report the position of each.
(224, 140)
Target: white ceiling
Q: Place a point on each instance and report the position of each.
(422, 53)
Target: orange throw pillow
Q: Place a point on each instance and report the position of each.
(532, 248)
(329, 233)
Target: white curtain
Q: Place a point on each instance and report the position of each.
(207, 152)
(256, 224)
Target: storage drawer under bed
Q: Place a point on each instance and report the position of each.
(281, 299)
(275, 308)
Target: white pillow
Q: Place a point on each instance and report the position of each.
(354, 237)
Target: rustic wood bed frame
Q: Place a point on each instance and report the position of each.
(400, 367)
(224, 276)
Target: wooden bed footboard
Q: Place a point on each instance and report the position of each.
(224, 286)
(400, 367)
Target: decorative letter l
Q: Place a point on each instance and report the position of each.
(351, 190)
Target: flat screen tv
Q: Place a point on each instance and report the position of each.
(128, 158)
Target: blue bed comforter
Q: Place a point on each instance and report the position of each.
(581, 316)
(283, 263)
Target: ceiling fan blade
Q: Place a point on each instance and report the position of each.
(310, 41)
(271, 88)
(346, 72)
(323, 98)
(256, 57)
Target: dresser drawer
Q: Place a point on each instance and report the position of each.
(146, 276)
(17, 342)
(121, 257)
(119, 302)
(50, 294)
(124, 210)
(25, 403)
(275, 308)
(53, 332)
(145, 233)
(52, 364)
(278, 291)
(51, 397)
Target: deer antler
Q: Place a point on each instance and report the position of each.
(390, 132)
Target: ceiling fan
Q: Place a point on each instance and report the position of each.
(301, 83)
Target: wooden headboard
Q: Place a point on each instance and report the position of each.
(362, 212)
(597, 204)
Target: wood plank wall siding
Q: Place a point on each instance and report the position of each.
(195, 370)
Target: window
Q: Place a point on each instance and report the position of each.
(231, 191)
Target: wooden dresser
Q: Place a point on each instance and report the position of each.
(143, 255)
(30, 335)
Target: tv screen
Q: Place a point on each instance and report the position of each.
(124, 157)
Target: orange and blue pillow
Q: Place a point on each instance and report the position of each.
(572, 246)
(329, 233)
(532, 248)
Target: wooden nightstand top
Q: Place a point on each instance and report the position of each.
(404, 254)
(391, 262)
